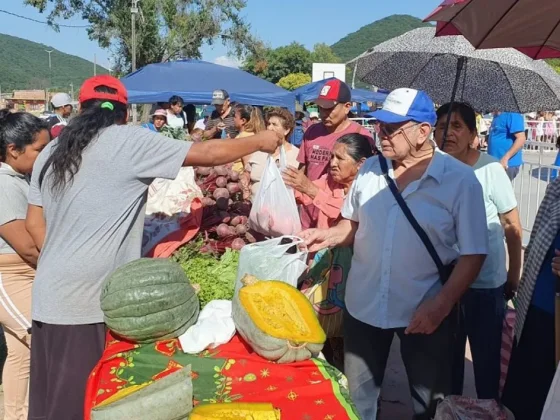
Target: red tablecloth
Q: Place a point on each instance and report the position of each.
(307, 390)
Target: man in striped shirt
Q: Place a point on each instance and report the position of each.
(222, 118)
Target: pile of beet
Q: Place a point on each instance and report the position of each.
(224, 221)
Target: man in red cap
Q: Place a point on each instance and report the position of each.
(334, 102)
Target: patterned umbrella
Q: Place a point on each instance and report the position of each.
(531, 26)
(449, 68)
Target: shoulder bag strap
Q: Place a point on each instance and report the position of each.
(412, 220)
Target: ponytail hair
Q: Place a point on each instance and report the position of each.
(66, 157)
(18, 129)
(253, 116)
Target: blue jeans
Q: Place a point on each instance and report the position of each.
(482, 318)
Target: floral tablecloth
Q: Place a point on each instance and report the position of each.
(309, 390)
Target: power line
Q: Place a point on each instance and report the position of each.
(42, 22)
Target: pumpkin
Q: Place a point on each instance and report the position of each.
(164, 399)
(235, 411)
(149, 299)
(277, 321)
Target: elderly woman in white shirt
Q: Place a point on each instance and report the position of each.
(394, 285)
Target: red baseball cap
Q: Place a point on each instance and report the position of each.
(334, 92)
(87, 91)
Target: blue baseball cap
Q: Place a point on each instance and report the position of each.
(407, 105)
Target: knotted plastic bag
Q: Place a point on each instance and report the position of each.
(275, 259)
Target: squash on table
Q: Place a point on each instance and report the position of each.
(165, 399)
(149, 299)
(235, 411)
(277, 321)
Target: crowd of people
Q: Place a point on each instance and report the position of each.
(431, 223)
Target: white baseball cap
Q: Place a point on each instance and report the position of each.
(407, 105)
(61, 99)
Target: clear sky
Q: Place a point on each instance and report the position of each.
(276, 22)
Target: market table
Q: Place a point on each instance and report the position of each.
(309, 390)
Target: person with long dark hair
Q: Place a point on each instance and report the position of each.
(86, 214)
(22, 137)
(483, 306)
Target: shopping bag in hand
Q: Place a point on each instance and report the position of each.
(274, 212)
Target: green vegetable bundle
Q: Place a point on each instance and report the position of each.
(215, 276)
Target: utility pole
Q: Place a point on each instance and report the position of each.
(133, 13)
(50, 81)
(50, 67)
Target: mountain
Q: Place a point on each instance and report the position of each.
(375, 33)
(25, 65)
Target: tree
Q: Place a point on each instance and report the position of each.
(294, 81)
(274, 64)
(166, 29)
(555, 64)
(322, 53)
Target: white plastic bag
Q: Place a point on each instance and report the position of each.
(173, 197)
(274, 212)
(270, 260)
(214, 327)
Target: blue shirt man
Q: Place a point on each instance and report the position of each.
(506, 140)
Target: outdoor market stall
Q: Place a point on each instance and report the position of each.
(195, 80)
(153, 307)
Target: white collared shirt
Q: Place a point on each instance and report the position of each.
(392, 272)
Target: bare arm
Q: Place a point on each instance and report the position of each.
(464, 274)
(15, 234)
(220, 152)
(512, 230)
(210, 133)
(517, 145)
(431, 313)
(340, 235)
(35, 225)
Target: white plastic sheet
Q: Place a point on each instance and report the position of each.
(214, 327)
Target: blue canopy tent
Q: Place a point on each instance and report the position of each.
(194, 81)
(311, 91)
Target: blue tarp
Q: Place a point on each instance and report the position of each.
(194, 81)
(311, 91)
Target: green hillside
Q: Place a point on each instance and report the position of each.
(25, 65)
(375, 33)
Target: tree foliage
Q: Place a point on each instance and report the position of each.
(294, 81)
(375, 33)
(274, 64)
(322, 53)
(26, 66)
(165, 30)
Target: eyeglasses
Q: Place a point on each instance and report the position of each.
(389, 131)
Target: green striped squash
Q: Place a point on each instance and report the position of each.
(149, 299)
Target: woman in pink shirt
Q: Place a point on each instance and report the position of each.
(328, 192)
(325, 282)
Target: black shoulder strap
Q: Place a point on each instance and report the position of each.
(406, 210)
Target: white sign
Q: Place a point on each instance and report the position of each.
(322, 71)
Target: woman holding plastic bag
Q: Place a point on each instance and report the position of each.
(325, 282)
(274, 212)
(281, 121)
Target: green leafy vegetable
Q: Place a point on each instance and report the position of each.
(216, 277)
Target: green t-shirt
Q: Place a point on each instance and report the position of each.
(499, 198)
